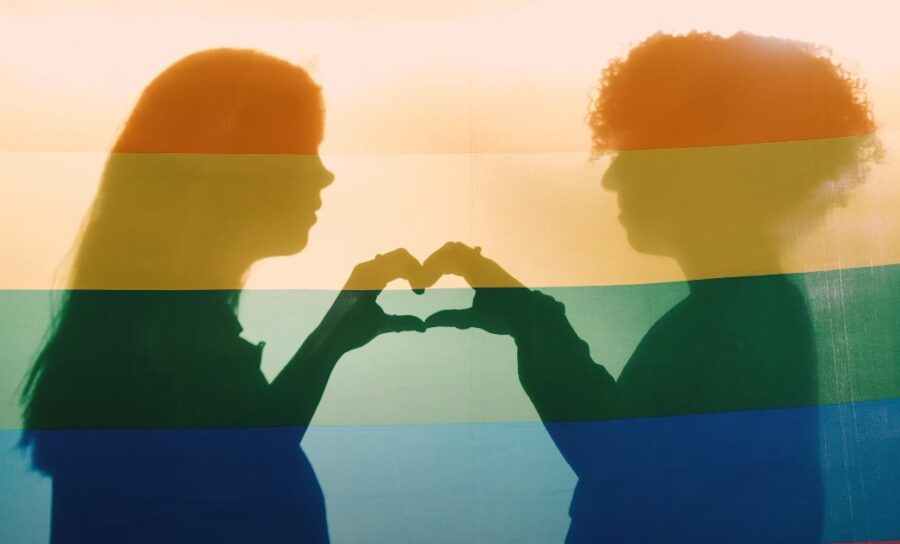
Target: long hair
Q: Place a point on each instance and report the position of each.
(191, 120)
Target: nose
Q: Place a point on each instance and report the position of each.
(324, 177)
(612, 177)
(327, 177)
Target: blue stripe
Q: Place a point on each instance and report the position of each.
(507, 482)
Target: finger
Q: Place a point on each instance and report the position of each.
(454, 258)
(401, 323)
(383, 269)
(458, 259)
(460, 319)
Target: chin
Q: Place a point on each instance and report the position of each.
(290, 247)
(647, 245)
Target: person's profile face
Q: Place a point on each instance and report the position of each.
(675, 200)
(307, 176)
(646, 199)
(276, 195)
(293, 195)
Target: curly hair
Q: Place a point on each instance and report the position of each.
(798, 127)
(701, 89)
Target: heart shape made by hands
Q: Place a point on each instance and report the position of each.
(453, 258)
(426, 303)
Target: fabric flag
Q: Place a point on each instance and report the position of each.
(430, 292)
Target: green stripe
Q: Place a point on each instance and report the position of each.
(451, 376)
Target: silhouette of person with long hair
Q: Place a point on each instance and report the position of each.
(145, 406)
(722, 147)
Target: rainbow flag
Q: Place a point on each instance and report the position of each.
(667, 311)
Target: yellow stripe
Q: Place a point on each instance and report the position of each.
(545, 217)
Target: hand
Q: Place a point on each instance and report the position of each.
(497, 294)
(355, 318)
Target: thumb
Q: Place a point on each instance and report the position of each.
(401, 323)
(460, 319)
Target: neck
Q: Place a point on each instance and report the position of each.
(204, 270)
(734, 257)
(208, 258)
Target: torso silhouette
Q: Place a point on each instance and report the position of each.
(732, 344)
(184, 447)
(710, 433)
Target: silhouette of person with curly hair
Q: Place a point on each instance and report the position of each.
(710, 433)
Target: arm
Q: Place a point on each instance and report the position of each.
(555, 365)
(568, 390)
(352, 321)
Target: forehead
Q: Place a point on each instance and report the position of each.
(287, 128)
